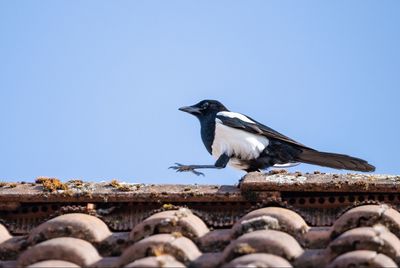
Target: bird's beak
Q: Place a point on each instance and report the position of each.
(190, 109)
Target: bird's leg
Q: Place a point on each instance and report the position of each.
(192, 168)
(221, 162)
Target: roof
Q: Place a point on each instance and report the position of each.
(275, 219)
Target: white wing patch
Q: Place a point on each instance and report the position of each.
(236, 115)
(287, 165)
(236, 142)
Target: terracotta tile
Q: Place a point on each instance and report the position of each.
(114, 245)
(317, 237)
(106, 262)
(76, 225)
(74, 250)
(376, 238)
(10, 249)
(156, 261)
(4, 234)
(215, 240)
(264, 241)
(185, 246)
(8, 264)
(312, 258)
(367, 215)
(258, 260)
(53, 263)
(274, 218)
(362, 258)
(182, 221)
(207, 260)
(391, 219)
(182, 248)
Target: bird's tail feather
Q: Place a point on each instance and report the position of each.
(339, 161)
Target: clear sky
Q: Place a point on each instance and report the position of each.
(90, 89)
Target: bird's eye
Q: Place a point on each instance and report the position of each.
(205, 105)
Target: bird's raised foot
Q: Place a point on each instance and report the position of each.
(186, 168)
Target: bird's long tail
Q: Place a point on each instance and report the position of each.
(339, 161)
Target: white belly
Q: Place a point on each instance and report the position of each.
(238, 143)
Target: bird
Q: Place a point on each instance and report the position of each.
(243, 143)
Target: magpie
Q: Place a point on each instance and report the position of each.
(239, 141)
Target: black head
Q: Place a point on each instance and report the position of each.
(204, 108)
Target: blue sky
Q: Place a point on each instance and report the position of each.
(90, 89)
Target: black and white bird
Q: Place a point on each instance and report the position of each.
(239, 141)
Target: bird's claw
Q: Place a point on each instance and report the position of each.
(186, 168)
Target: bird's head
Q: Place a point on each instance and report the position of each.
(204, 108)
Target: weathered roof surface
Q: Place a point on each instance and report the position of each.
(322, 182)
(103, 192)
(275, 219)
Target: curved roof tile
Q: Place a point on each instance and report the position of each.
(264, 241)
(258, 260)
(69, 249)
(156, 261)
(275, 218)
(376, 238)
(181, 220)
(362, 258)
(76, 225)
(53, 263)
(4, 234)
(367, 215)
(182, 248)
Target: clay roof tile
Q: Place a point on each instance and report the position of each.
(275, 218)
(76, 225)
(69, 249)
(215, 240)
(362, 258)
(53, 263)
(182, 221)
(376, 238)
(156, 261)
(264, 241)
(258, 260)
(182, 248)
(368, 215)
(4, 234)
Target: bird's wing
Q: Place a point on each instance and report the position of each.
(240, 121)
